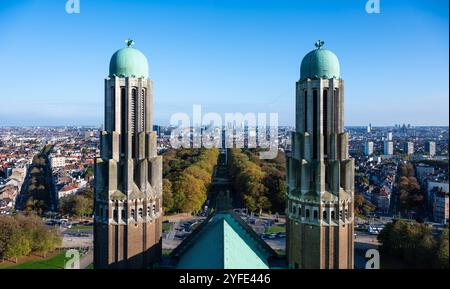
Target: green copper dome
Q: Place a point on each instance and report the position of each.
(320, 63)
(128, 62)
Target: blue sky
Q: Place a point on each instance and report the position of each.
(228, 56)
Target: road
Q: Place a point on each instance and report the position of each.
(87, 259)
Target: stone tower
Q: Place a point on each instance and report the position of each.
(320, 174)
(128, 174)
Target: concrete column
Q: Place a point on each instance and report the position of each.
(104, 146)
(117, 110)
(112, 176)
(149, 106)
(156, 171)
(115, 146)
(141, 146)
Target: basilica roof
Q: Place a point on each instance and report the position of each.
(224, 241)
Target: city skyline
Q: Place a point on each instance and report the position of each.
(226, 56)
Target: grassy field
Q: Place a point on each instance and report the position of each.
(275, 229)
(55, 262)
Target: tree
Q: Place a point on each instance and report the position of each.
(41, 238)
(441, 260)
(76, 206)
(362, 206)
(18, 246)
(192, 189)
(7, 230)
(415, 244)
(168, 200)
(188, 175)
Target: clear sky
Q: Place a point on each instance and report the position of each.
(227, 55)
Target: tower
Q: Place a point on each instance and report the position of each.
(388, 148)
(320, 173)
(430, 148)
(128, 173)
(368, 148)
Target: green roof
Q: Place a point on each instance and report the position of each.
(320, 63)
(223, 242)
(128, 62)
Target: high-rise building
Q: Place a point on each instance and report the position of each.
(369, 128)
(389, 136)
(368, 148)
(430, 148)
(320, 173)
(388, 148)
(128, 174)
(408, 148)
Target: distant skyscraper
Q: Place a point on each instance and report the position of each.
(157, 130)
(369, 128)
(320, 173)
(368, 148)
(408, 148)
(388, 148)
(430, 148)
(389, 136)
(128, 174)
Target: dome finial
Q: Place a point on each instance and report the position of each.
(129, 42)
(319, 43)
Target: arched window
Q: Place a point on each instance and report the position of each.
(140, 212)
(294, 210)
(148, 211)
(123, 119)
(340, 214)
(337, 112)
(124, 214)
(154, 209)
(133, 123)
(315, 125)
(333, 215)
(133, 214)
(316, 215)
(325, 123)
(307, 213)
(346, 213)
(142, 109)
(324, 215)
(133, 108)
(305, 114)
(113, 108)
(300, 211)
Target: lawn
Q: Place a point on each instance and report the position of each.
(275, 229)
(55, 262)
(166, 227)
